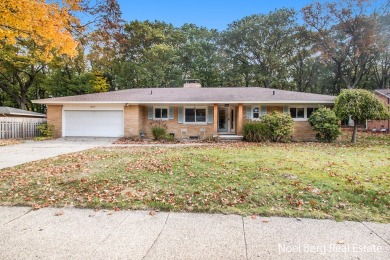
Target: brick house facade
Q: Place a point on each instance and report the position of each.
(381, 125)
(194, 110)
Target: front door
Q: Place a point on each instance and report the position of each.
(226, 122)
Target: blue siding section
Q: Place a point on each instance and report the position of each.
(180, 115)
(171, 113)
(263, 110)
(150, 112)
(248, 112)
(210, 114)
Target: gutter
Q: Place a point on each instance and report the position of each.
(183, 102)
(32, 115)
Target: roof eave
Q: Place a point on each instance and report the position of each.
(22, 114)
(383, 94)
(187, 102)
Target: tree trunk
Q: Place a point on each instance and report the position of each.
(354, 133)
(23, 102)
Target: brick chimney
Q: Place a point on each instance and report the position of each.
(192, 83)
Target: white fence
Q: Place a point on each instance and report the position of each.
(17, 127)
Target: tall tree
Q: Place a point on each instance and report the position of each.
(346, 35)
(19, 68)
(35, 32)
(48, 25)
(104, 43)
(200, 55)
(304, 66)
(150, 55)
(66, 76)
(380, 70)
(263, 46)
(32, 33)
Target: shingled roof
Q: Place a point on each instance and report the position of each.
(10, 111)
(193, 95)
(384, 92)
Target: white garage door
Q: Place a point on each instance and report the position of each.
(103, 123)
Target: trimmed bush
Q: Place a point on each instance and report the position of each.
(279, 125)
(276, 127)
(326, 123)
(158, 129)
(46, 130)
(255, 131)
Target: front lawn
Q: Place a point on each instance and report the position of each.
(340, 181)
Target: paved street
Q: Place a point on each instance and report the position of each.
(57, 233)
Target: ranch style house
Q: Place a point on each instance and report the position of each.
(191, 110)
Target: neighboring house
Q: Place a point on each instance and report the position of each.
(381, 125)
(15, 112)
(19, 123)
(192, 109)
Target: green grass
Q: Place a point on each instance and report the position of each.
(338, 181)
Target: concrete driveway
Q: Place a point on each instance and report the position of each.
(69, 233)
(12, 155)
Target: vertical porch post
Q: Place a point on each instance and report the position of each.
(215, 125)
(239, 119)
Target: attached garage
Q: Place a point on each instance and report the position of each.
(96, 123)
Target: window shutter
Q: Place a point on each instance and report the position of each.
(210, 114)
(171, 113)
(248, 111)
(150, 112)
(263, 110)
(180, 115)
(286, 110)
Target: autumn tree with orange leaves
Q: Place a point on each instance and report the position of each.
(35, 33)
(32, 33)
(48, 25)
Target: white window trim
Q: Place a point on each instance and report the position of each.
(194, 123)
(315, 108)
(256, 118)
(160, 107)
(305, 118)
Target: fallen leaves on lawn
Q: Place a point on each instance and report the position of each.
(229, 178)
(149, 164)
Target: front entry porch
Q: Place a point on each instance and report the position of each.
(226, 119)
(228, 123)
(229, 137)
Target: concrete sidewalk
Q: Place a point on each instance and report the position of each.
(28, 151)
(86, 234)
